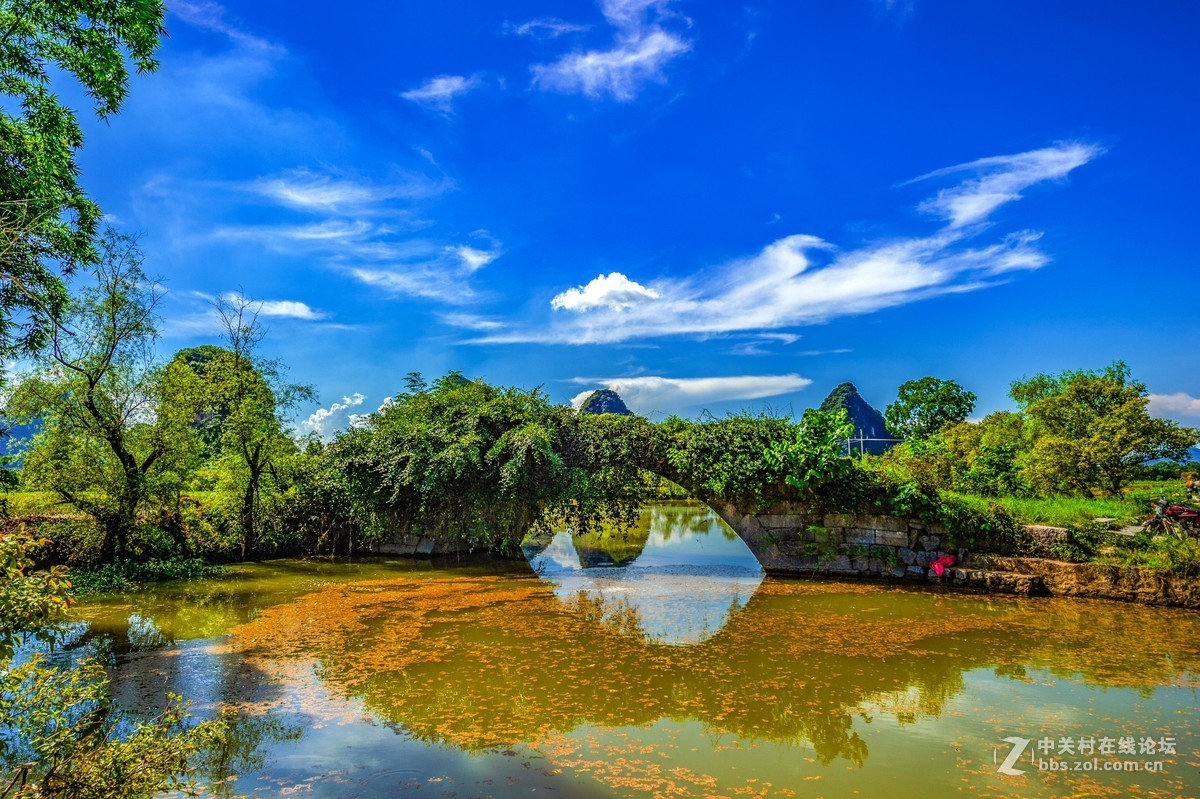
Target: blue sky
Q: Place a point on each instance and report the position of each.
(700, 204)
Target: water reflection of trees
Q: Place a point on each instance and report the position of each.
(612, 545)
(478, 663)
(148, 657)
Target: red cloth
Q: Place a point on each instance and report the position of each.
(940, 565)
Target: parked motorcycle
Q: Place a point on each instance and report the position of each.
(1177, 520)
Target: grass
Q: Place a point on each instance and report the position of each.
(37, 503)
(1072, 512)
(47, 503)
(1081, 512)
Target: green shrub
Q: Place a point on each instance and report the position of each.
(723, 459)
(125, 575)
(981, 525)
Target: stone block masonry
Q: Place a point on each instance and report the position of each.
(418, 545)
(789, 538)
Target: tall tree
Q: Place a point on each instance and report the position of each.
(46, 218)
(116, 426)
(925, 406)
(1091, 428)
(250, 403)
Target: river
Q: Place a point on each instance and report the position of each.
(656, 662)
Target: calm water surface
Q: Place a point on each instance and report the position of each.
(656, 662)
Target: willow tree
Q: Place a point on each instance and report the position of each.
(485, 464)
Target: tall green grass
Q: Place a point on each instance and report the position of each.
(1072, 512)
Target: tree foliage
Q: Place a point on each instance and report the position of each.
(1092, 428)
(117, 431)
(28, 598)
(466, 459)
(925, 406)
(722, 459)
(45, 216)
(815, 457)
(60, 735)
(246, 411)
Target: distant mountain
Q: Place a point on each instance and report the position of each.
(605, 401)
(868, 422)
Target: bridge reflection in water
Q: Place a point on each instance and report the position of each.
(677, 575)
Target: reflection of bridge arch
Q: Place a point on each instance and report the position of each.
(678, 574)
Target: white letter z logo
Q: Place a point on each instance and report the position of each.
(1018, 749)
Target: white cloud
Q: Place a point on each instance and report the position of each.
(363, 419)
(439, 275)
(649, 394)
(279, 309)
(440, 92)
(547, 28)
(801, 280)
(306, 190)
(473, 259)
(470, 321)
(613, 291)
(327, 421)
(1001, 180)
(1177, 404)
(640, 50)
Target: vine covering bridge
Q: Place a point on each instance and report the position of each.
(462, 464)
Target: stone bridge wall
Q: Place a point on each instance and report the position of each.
(788, 538)
(418, 545)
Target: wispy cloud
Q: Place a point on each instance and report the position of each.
(469, 321)
(759, 343)
(1001, 180)
(211, 16)
(800, 279)
(546, 28)
(441, 275)
(362, 232)
(642, 46)
(650, 394)
(472, 258)
(279, 309)
(283, 236)
(308, 190)
(441, 92)
(195, 313)
(1177, 404)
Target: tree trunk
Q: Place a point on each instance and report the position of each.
(249, 496)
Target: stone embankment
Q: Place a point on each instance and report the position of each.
(417, 544)
(791, 540)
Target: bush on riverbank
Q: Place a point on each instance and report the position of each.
(126, 575)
